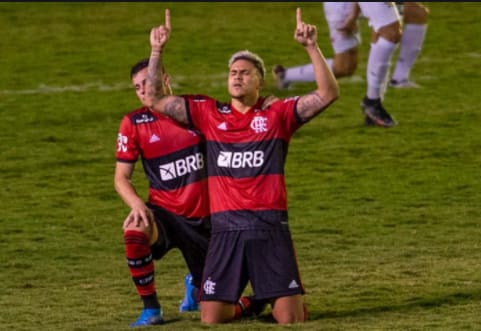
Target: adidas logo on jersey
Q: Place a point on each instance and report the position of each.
(222, 126)
(154, 138)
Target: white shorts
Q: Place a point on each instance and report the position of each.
(379, 14)
(336, 14)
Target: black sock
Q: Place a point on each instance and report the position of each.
(151, 301)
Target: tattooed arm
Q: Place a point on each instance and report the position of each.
(327, 91)
(158, 92)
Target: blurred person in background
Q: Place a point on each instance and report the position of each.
(384, 19)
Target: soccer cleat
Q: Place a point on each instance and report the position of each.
(374, 110)
(405, 83)
(149, 316)
(251, 307)
(278, 73)
(368, 121)
(188, 303)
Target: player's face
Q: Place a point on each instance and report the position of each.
(139, 81)
(244, 79)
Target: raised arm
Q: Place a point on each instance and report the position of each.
(157, 85)
(327, 91)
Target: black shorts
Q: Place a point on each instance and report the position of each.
(189, 235)
(266, 258)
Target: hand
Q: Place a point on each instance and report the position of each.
(305, 34)
(160, 35)
(139, 215)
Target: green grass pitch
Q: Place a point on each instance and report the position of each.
(386, 222)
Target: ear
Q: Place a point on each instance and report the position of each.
(261, 82)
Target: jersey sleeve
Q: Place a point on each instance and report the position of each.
(198, 109)
(127, 147)
(288, 113)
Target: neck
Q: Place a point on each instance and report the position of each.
(243, 104)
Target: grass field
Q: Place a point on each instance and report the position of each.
(386, 222)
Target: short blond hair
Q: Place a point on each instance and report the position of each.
(251, 57)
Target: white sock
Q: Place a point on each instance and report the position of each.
(411, 44)
(304, 73)
(378, 67)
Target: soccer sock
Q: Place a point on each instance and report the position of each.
(242, 305)
(141, 266)
(196, 294)
(411, 43)
(304, 73)
(378, 67)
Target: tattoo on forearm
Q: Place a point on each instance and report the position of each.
(155, 75)
(175, 109)
(310, 105)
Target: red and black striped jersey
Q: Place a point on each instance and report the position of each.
(246, 154)
(173, 159)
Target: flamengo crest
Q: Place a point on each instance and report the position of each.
(259, 124)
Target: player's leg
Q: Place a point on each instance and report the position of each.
(345, 45)
(216, 312)
(224, 278)
(289, 309)
(274, 275)
(191, 236)
(344, 64)
(414, 30)
(137, 241)
(385, 22)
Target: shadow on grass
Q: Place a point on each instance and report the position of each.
(414, 303)
(170, 321)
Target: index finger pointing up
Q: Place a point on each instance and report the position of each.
(167, 19)
(298, 16)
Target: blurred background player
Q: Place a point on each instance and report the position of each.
(176, 214)
(342, 17)
(415, 17)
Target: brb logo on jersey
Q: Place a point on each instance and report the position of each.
(181, 167)
(237, 160)
(259, 124)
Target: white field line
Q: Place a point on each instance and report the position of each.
(215, 81)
